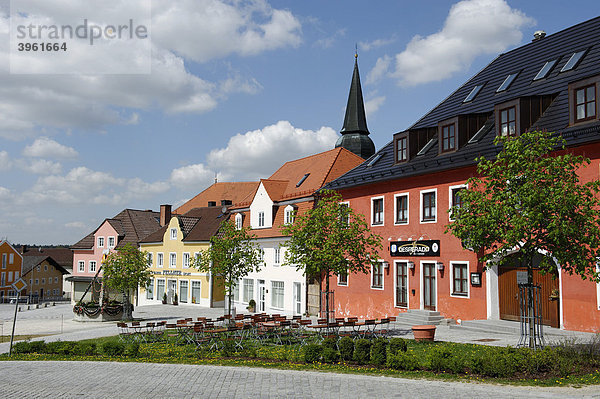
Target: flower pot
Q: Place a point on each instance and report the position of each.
(251, 309)
(424, 332)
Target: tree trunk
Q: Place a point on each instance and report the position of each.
(531, 304)
(127, 314)
(327, 296)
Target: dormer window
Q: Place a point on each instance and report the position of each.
(261, 219)
(100, 242)
(289, 214)
(238, 221)
(582, 100)
(448, 137)
(508, 121)
(402, 149)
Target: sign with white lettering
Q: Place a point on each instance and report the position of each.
(415, 248)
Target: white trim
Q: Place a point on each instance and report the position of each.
(407, 195)
(492, 294)
(172, 264)
(450, 188)
(98, 242)
(432, 190)
(160, 259)
(396, 261)
(560, 292)
(452, 263)
(187, 294)
(79, 268)
(90, 266)
(347, 280)
(288, 215)
(183, 260)
(422, 296)
(191, 295)
(171, 231)
(380, 261)
(239, 221)
(273, 293)
(114, 242)
(381, 197)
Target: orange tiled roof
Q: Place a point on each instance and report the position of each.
(233, 191)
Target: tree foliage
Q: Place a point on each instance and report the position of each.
(529, 202)
(124, 270)
(232, 254)
(331, 238)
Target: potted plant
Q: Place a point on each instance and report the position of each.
(424, 332)
(164, 300)
(251, 305)
(555, 295)
(175, 301)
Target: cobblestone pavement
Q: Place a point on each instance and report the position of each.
(140, 380)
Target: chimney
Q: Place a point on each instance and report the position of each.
(165, 214)
(538, 35)
(23, 249)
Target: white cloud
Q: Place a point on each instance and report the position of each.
(328, 42)
(5, 162)
(76, 225)
(182, 30)
(45, 147)
(373, 104)
(472, 28)
(366, 46)
(258, 153)
(40, 166)
(189, 176)
(85, 186)
(203, 30)
(5, 194)
(380, 69)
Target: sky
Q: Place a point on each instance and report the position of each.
(226, 88)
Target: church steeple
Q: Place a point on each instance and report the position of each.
(355, 134)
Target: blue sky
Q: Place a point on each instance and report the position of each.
(237, 88)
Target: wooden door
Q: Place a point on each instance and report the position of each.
(509, 295)
(401, 284)
(429, 286)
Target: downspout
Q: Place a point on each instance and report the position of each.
(210, 286)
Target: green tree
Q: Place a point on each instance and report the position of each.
(529, 202)
(124, 270)
(331, 238)
(232, 255)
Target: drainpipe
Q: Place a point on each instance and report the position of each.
(210, 286)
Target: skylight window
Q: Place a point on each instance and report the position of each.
(375, 159)
(473, 93)
(545, 69)
(485, 129)
(507, 82)
(427, 146)
(573, 61)
(302, 180)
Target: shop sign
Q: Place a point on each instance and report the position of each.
(172, 273)
(415, 248)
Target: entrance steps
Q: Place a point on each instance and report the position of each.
(414, 317)
(490, 326)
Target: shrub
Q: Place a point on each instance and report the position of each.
(112, 348)
(346, 345)
(440, 358)
(329, 342)
(402, 361)
(397, 344)
(85, 349)
(132, 349)
(60, 347)
(29, 347)
(330, 355)
(362, 351)
(498, 362)
(378, 351)
(312, 353)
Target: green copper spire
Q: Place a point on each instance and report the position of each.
(355, 134)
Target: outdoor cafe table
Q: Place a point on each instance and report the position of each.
(325, 328)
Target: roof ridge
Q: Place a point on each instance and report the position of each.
(331, 167)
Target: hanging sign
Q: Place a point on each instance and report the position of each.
(415, 248)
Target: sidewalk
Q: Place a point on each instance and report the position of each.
(57, 323)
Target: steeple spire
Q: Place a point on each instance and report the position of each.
(355, 134)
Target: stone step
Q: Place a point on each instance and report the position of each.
(417, 316)
(489, 326)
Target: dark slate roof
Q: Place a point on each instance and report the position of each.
(131, 225)
(199, 224)
(62, 255)
(527, 61)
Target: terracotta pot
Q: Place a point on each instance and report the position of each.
(424, 332)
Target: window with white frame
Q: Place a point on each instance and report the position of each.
(343, 278)
(81, 266)
(160, 288)
(186, 259)
(455, 199)
(289, 214)
(173, 234)
(261, 254)
(11, 259)
(196, 291)
(111, 242)
(460, 279)
(277, 294)
(149, 259)
(3, 279)
(236, 291)
(345, 212)
(261, 219)
(160, 259)
(377, 275)
(172, 259)
(248, 290)
(4, 261)
(401, 211)
(238, 221)
(93, 266)
(428, 206)
(277, 256)
(183, 291)
(377, 211)
(150, 290)
(10, 277)
(100, 242)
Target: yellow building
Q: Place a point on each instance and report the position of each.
(171, 250)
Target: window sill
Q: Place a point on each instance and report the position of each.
(465, 296)
(428, 221)
(400, 223)
(377, 288)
